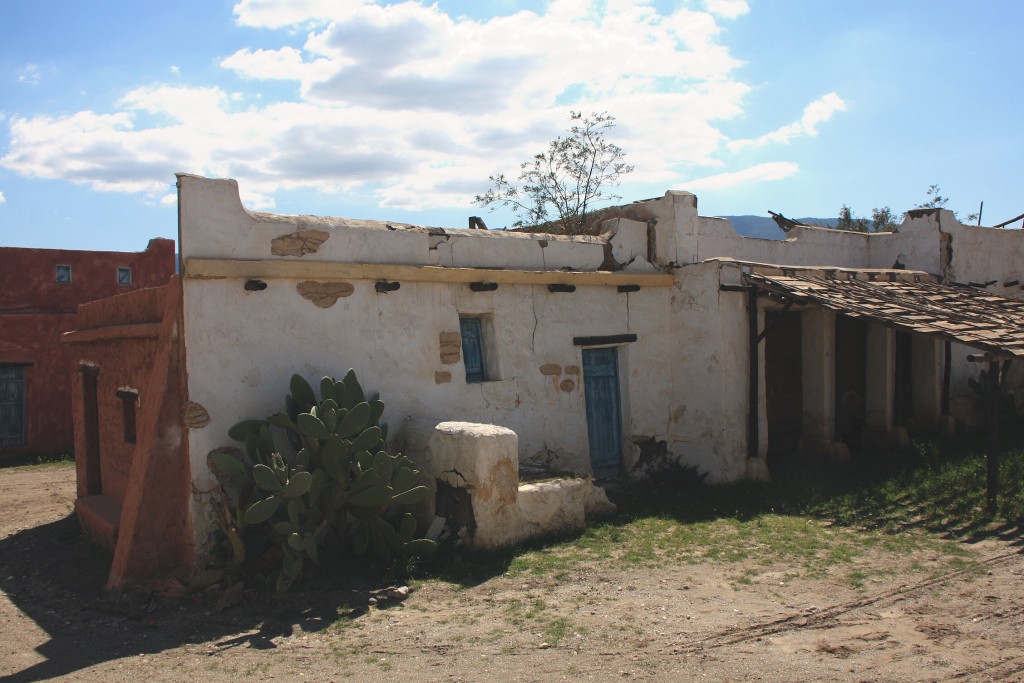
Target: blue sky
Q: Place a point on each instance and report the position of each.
(400, 110)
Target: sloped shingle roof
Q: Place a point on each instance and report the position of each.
(906, 300)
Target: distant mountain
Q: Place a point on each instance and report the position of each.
(765, 228)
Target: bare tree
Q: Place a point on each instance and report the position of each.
(576, 171)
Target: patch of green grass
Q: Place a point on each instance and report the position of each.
(557, 630)
(857, 578)
(812, 518)
(536, 614)
(39, 461)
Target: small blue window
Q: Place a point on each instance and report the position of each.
(64, 275)
(473, 349)
(124, 277)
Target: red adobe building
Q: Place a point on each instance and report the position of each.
(40, 291)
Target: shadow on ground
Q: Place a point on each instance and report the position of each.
(55, 577)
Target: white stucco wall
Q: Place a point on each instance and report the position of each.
(682, 237)
(683, 381)
(678, 381)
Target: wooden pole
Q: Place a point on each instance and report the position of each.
(947, 372)
(754, 385)
(992, 473)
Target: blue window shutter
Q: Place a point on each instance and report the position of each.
(473, 349)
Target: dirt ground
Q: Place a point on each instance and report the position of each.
(668, 623)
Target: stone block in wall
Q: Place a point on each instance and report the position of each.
(298, 243)
(324, 294)
(451, 347)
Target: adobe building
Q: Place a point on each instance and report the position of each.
(40, 291)
(668, 338)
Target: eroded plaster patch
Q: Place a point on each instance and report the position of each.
(196, 416)
(551, 369)
(567, 385)
(572, 369)
(298, 243)
(442, 377)
(451, 347)
(324, 294)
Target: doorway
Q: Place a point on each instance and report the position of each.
(12, 406)
(90, 406)
(604, 413)
(783, 378)
(903, 393)
(851, 379)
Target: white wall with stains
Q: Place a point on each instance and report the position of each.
(679, 379)
(683, 381)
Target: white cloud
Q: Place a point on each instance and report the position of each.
(729, 9)
(175, 69)
(286, 64)
(277, 14)
(2, 198)
(30, 74)
(413, 106)
(774, 170)
(817, 112)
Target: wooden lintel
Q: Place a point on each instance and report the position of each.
(607, 339)
(219, 269)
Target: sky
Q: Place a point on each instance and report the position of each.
(402, 110)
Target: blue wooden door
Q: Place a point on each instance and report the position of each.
(604, 420)
(12, 406)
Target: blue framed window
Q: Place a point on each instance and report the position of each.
(64, 274)
(473, 349)
(124, 277)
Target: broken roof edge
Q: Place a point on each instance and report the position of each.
(228, 191)
(213, 224)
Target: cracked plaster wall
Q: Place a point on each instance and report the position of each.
(683, 381)
(243, 346)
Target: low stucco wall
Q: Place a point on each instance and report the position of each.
(483, 461)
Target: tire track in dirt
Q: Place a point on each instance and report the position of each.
(825, 617)
(1007, 670)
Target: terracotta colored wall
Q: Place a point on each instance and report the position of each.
(34, 339)
(123, 363)
(35, 310)
(141, 506)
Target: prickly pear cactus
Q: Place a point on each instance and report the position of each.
(334, 482)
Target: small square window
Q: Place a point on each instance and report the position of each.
(64, 275)
(124, 277)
